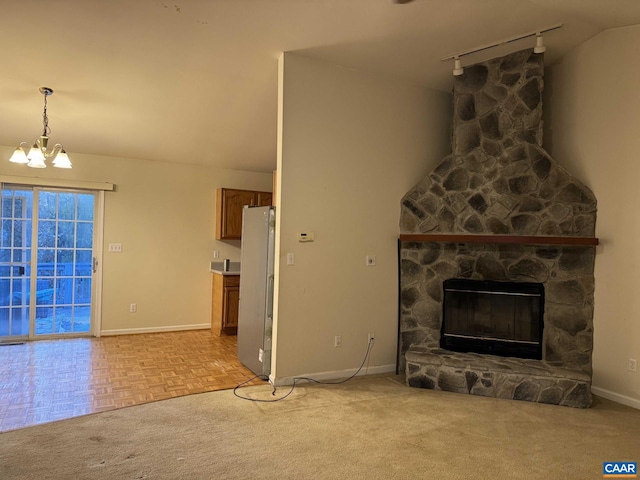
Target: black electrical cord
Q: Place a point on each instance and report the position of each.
(295, 381)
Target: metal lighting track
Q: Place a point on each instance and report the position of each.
(501, 42)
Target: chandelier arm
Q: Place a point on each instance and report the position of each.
(57, 148)
(41, 143)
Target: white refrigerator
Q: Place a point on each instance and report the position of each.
(255, 314)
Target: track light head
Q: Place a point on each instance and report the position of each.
(457, 67)
(539, 48)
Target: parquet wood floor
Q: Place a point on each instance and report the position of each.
(49, 380)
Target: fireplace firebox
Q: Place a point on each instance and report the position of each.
(489, 317)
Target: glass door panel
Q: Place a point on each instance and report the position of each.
(64, 267)
(15, 257)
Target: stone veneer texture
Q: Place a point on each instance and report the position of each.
(499, 180)
(500, 377)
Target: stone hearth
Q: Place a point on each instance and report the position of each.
(500, 181)
(490, 376)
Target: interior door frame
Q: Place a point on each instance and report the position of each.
(98, 249)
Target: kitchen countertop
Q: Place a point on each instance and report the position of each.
(218, 267)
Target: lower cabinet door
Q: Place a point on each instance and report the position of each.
(231, 301)
(224, 304)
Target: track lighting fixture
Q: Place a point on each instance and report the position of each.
(539, 47)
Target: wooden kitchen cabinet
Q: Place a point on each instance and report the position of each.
(225, 293)
(264, 199)
(229, 205)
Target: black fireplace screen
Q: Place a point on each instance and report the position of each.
(497, 318)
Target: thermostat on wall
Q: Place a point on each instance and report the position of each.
(305, 237)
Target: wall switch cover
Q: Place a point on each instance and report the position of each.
(306, 236)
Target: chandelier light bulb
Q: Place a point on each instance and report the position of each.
(62, 160)
(36, 158)
(19, 156)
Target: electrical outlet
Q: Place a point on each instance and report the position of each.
(337, 341)
(133, 308)
(633, 365)
(216, 254)
(371, 337)
(260, 354)
(371, 260)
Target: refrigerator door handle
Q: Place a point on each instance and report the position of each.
(270, 285)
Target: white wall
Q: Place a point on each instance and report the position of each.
(594, 120)
(164, 216)
(350, 146)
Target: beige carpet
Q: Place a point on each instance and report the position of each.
(372, 427)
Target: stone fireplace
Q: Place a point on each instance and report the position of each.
(499, 210)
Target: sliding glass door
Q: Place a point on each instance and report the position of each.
(53, 294)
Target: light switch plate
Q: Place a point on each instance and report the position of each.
(306, 237)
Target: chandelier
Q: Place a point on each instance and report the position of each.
(38, 153)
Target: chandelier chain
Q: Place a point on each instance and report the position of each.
(45, 119)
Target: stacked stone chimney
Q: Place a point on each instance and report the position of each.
(498, 180)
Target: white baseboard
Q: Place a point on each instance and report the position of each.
(333, 375)
(172, 328)
(616, 397)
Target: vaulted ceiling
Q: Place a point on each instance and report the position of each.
(195, 81)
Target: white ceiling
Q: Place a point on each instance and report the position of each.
(195, 81)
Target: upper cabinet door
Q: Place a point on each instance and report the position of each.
(229, 205)
(264, 199)
(229, 212)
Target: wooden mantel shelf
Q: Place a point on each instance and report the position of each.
(510, 239)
